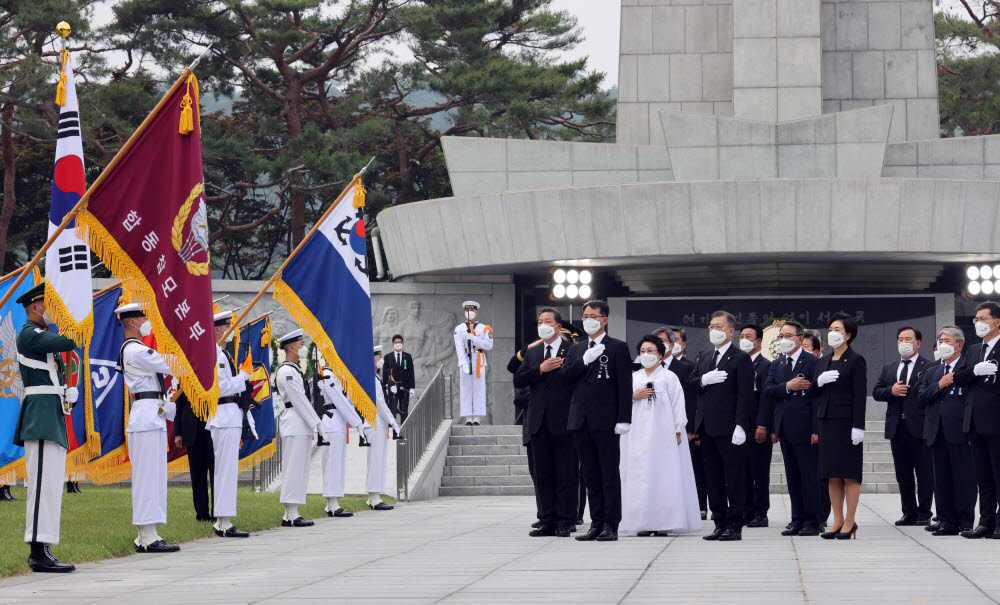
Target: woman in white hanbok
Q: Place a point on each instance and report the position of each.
(659, 494)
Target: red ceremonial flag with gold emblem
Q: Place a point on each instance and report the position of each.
(145, 217)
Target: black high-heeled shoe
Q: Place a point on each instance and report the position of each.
(830, 535)
(851, 534)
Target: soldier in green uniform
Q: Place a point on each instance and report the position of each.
(41, 429)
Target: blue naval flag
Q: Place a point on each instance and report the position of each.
(12, 317)
(107, 390)
(255, 340)
(325, 289)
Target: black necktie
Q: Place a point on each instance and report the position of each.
(715, 359)
(904, 375)
(399, 359)
(947, 370)
(548, 351)
(592, 344)
(788, 364)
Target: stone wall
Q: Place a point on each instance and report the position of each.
(956, 158)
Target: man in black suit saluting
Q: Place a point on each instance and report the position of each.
(552, 450)
(397, 376)
(599, 370)
(725, 379)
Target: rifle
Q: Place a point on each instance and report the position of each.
(317, 397)
(468, 344)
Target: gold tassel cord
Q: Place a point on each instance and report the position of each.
(359, 195)
(188, 105)
(61, 88)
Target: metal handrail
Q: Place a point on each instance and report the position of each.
(267, 471)
(418, 429)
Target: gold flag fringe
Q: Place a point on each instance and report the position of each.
(111, 468)
(257, 457)
(301, 314)
(64, 320)
(178, 466)
(12, 472)
(93, 444)
(137, 287)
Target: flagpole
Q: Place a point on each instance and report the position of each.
(100, 179)
(274, 278)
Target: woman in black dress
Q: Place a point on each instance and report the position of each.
(841, 388)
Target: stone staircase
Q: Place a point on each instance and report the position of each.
(486, 461)
(490, 461)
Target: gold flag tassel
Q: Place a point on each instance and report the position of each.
(187, 114)
(359, 195)
(61, 88)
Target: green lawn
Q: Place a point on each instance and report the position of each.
(97, 524)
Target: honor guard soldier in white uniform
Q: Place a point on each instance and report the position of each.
(338, 413)
(298, 423)
(472, 340)
(143, 370)
(41, 429)
(227, 429)
(379, 439)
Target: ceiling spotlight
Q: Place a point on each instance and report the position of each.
(972, 272)
(986, 272)
(559, 290)
(572, 276)
(974, 288)
(586, 276)
(572, 291)
(585, 292)
(987, 287)
(559, 275)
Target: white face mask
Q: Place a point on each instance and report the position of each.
(470, 315)
(982, 328)
(379, 363)
(905, 349)
(545, 331)
(146, 328)
(398, 346)
(717, 337)
(944, 351)
(591, 326)
(649, 360)
(787, 345)
(746, 345)
(835, 339)
(678, 349)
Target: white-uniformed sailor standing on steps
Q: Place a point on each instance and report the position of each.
(472, 340)
(338, 413)
(143, 370)
(297, 425)
(226, 427)
(379, 439)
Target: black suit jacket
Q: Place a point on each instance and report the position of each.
(187, 425)
(723, 406)
(847, 396)
(761, 407)
(945, 407)
(982, 409)
(549, 396)
(600, 403)
(401, 373)
(795, 412)
(682, 368)
(908, 406)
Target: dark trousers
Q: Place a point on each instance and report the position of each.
(534, 482)
(726, 477)
(912, 460)
(201, 460)
(954, 484)
(758, 477)
(402, 398)
(698, 463)
(555, 476)
(802, 477)
(581, 491)
(824, 497)
(599, 455)
(986, 459)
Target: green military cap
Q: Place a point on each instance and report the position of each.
(32, 295)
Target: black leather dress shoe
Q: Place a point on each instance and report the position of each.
(609, 534)
(791, 530)
(157, 547)
(579, 520)
(980, 532)
(546, 530)
(644, 534)
(809, 530)
(906, 520)
(380, 506)
(715, 535)
(996, 535)
(924, 521)
(731, 535)
(231, 532)
(591, 534)
(42, 560)
(563, 531)
(536, 525)
(945, 531)
(339, 513)
(759, 521)
(298, 522)
(932, 527)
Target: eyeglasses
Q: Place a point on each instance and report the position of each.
(788, 336)
(594, 316)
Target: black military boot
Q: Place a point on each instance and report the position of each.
(42, 560)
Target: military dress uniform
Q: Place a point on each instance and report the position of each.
(144, 372)
(378, 453)
(41, 430)
(297, 425)
(472, 340)
(338, 413)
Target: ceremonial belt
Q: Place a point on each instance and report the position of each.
(49, 365)
(229, 399)
(45, 390)
(147, 395)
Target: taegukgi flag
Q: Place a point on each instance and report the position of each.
(67, 263)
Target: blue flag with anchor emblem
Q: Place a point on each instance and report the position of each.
(325, 289)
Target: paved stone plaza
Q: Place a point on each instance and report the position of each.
(476, 550)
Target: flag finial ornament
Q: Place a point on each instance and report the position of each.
(64, 29)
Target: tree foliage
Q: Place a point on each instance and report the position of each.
(968, 68)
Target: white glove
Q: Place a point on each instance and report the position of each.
(369, 433)
(739, 435)
(592, 353)
(984, 368)
(413, 392)
(857, 436)
(393, 389)
(395, 426)
(622, 427)
(72, 395)
(827, 377)
(469, 336)
(464, 367)
(714, 377)
(243, 376)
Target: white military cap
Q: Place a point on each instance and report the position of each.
(129, 311)
(378, 349)
(470, 303)
(290, 337)
(222, 319)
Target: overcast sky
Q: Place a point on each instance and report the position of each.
(600, 21)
